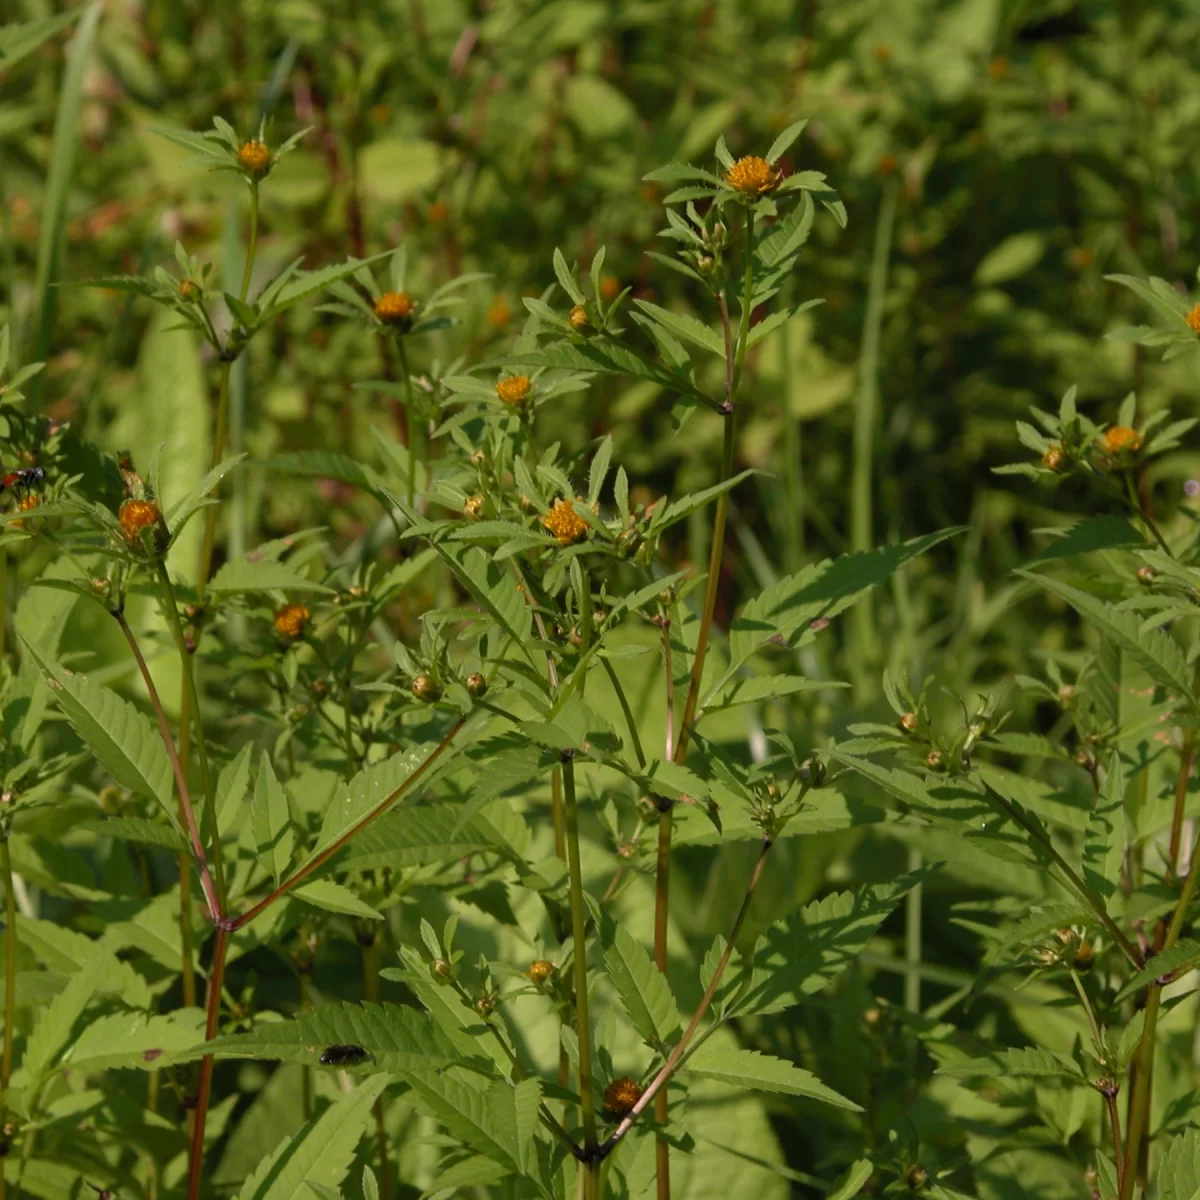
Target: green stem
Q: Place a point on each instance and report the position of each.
(579, 938)
(630, 722)
(416, 432)
(171, 606)
(743, 336)
(866, 418)
(912, 938)
(3, 610)
(252, 245)
(1139, 1105)
(306, 1079)
(10, 976)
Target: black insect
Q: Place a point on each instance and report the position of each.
(343, 1056)
(22, 479)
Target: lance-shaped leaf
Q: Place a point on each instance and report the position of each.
(270, 821)
(498, 1122)
(643, 988)
(1104, 840)
(320, 1153)
(1029, 1062)
(762, 1073)
(124, 741)
(1153, 650)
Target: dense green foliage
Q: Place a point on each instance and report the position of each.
(597, 599)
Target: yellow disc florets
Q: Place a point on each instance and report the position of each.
(395, 308)
(473, 508)
(1120, 439)
(752, 176)
(136, 515)
(291, 619)
(255, 156)
(187, 289)
(565, 523)
(514, 390)
(621, 1095)
(1193, 318)
(26, 504)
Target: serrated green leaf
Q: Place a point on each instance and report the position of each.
(123, 740)
(1026, 1062)
(1159, 655)
(326, 894)
(642, 987)
(320, 1153)
(247, 575)
(270, 821)
(762, 1073)
(1179, 1171)
(129, 1040)
(1182, 956)
(1105, 532)
(137, 829)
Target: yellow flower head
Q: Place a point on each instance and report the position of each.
(187, 289)
(1193, 318)
(136, 515)
(473, 508)
(565, 523)
(255, 156)
(1120, 439)
(499, 314)
(514, 390)
(752, 176)
(621, 1095)
(579, 318)
(541, 970)
(395, 309)
(26, 504)
(291, 619)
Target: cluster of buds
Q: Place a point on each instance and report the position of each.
(1062, 947)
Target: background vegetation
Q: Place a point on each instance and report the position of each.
(997, 160)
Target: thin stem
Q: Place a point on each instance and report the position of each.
(1085, 893)
(252, 245)
(216, 981)
(743, 337)
(668, 1068)
(662, 909)
(579, 938)
(306, 1078)
(3, 615)
(10, 976)
(1114, 1114)
(630, 722)
(416, 434)
(1187, 756)
(912, 938)
(170, 604)
(218, 448)
(372, 956)
(319, 860)
(211, 895)
(1147, 520)
(866, 416)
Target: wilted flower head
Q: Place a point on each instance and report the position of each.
(621, 1095)
(291, 619)
(514, 390)
(752, 176)
(255, 156)
(395, 309)
(136, 515)
(565, 523)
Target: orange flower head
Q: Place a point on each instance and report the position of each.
(395, 309)
(610, 287)
(541, 970)
(1120, 439)
(474, 506)
(998, 68)
(579, 318)
(1083, 257)
(136, 515)
(255, 156)
(291, 619)
(187, 289)
(565, 523)
(1193, 318)
(26, 504)
(621, 1095)
(437, 212)
(514, 390)
(887, 163)
(752, 176)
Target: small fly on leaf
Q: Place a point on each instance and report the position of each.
(343, 1056)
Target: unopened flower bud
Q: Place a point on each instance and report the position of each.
(540, 971)
(476, 685)
(442, 971)
(579, 319)
(916, 1177)
(910, 722)
(425, 687)
(1054, 459)
(1146, 576)
(935, 760)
